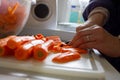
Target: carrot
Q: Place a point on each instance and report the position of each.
(11, 11)
(81, 51)
(66, 57)
(13, 18)
(25, 51)
(40, 52)
(15, 42)
(9, 17)
(62, 47)
(4, 50)
(56, 47)
(40, 36)
(66, 48)
(54, 38)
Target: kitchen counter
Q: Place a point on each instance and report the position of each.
(15, 74)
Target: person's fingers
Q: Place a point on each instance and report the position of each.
(86, 24)
(86, 35)
(80, 27)
(88, 45)
(80, 34)
(83, 39)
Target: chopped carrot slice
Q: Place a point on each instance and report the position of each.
(56, 47)
(40, 52)
(4, 50)
(81, 51)
(54, 38)
(15, 42)
(40, 36)
(66, 57)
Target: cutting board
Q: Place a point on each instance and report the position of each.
(87, 66)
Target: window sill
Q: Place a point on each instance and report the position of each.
(68, 26)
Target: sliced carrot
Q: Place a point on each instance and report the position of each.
(70, 48)
(56, 47)
(62, 47)
(66, 57)
(82, 51)
(40, 52)
(9, 17)
(4, 50)
(15, 42)
(40, 36)
(54, 38)
(12, 10)
(13, 18)
(25, 51)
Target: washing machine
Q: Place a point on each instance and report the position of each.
(43, 15)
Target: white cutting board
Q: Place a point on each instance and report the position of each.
(87, 66)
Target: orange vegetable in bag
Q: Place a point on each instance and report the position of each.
(11, 17)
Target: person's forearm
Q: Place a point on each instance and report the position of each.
(97, 18)
(114, 52)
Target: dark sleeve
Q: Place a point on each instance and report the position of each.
(97, 3)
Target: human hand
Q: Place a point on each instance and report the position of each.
(86, 24)
(98, 38)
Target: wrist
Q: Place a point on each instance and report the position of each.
(97, 19)
(118, 47)
(99, 15)
(113, 50)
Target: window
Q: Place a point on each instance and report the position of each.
(70, 14)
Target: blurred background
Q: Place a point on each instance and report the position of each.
(70, 13)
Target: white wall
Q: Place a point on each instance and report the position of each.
(63, 10)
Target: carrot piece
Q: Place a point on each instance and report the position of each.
(11, 11)
(9, 17)
(40, 52)
(15, 42)
(25, 51)
(40, 36)
(66, 57)
(81, 51)
(4, 50)
(70, 48)
(56, 47)
(62, 47)
(54, 38)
